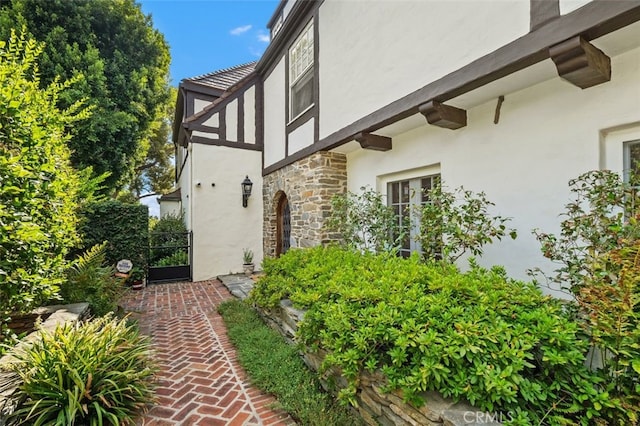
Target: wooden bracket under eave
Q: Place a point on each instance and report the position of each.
(581, 63)
(444, 115)
(373, 142)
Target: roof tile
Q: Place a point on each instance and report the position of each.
(225, 78)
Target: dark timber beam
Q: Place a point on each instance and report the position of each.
(444, 115)
(581, 63)
(543, 11)
(373, 142)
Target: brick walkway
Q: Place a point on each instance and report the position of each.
(200, 380)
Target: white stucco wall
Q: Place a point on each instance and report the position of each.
(184, 183)
(568, 6)
(388, 49)
(232, 121)
(199, 104)
(250, 115)
(547, 134)
(301, 137)
(221, 226)
(213, 121)
(171, 208)
(274, 115)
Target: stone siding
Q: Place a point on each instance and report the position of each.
(309, 184)
(375, 406)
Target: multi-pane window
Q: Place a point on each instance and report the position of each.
(631, 159)
(404, 196)
(301, 72)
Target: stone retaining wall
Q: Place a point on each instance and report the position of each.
(375, 406)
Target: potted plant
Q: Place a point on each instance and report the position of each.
(136, 278)
(247, 262)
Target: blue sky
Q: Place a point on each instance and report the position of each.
(208, 35)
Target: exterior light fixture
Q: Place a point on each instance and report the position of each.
(246, 190)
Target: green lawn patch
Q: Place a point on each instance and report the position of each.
(276, 368)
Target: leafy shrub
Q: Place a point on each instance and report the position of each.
(38, 186)
(90, 280)
(451, 223)
(168, 235)
(479, 336)
(598, 250)
(456, 222)
(605, 212)
(365, 222)
(92, 373)
(125, 227)
(178, 258)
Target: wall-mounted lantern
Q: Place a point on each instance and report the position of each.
(246, 190)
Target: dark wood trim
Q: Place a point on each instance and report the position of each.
(373, 142)
(581, 63)
(543, 11)
(300, 14)
(312, 112)
(184, 163)
(287, 99)
(298, 155)
(222, 102)
(446, 116)
(240, 132)
(222, 142)
(201, 88)
(197, 127)
(222, 122)
(316, 77)
(301, 119)
(275, 14)
(593, 20)
(190, 109)
(259, 117)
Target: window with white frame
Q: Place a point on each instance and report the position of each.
(301, 73)
(404, 196)
(631, 159)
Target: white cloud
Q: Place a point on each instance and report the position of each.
(240, 30)
(264, 38)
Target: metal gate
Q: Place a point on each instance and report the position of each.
(170, 257)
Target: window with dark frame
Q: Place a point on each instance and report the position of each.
(301, 75)
(631, 159)
(403, 196)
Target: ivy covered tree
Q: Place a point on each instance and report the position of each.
(124, 65)
(38, 191)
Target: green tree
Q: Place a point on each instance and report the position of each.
(154, 173)
(38, 195)
(124, 62)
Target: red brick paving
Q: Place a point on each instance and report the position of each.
(200, 381)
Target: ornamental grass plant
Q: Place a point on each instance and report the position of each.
(92, 373)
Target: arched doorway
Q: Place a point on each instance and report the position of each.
(283, 225)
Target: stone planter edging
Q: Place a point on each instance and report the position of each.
(375, 406)
(59, 315)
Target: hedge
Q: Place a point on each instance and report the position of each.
(124, 226)
(477, 335)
